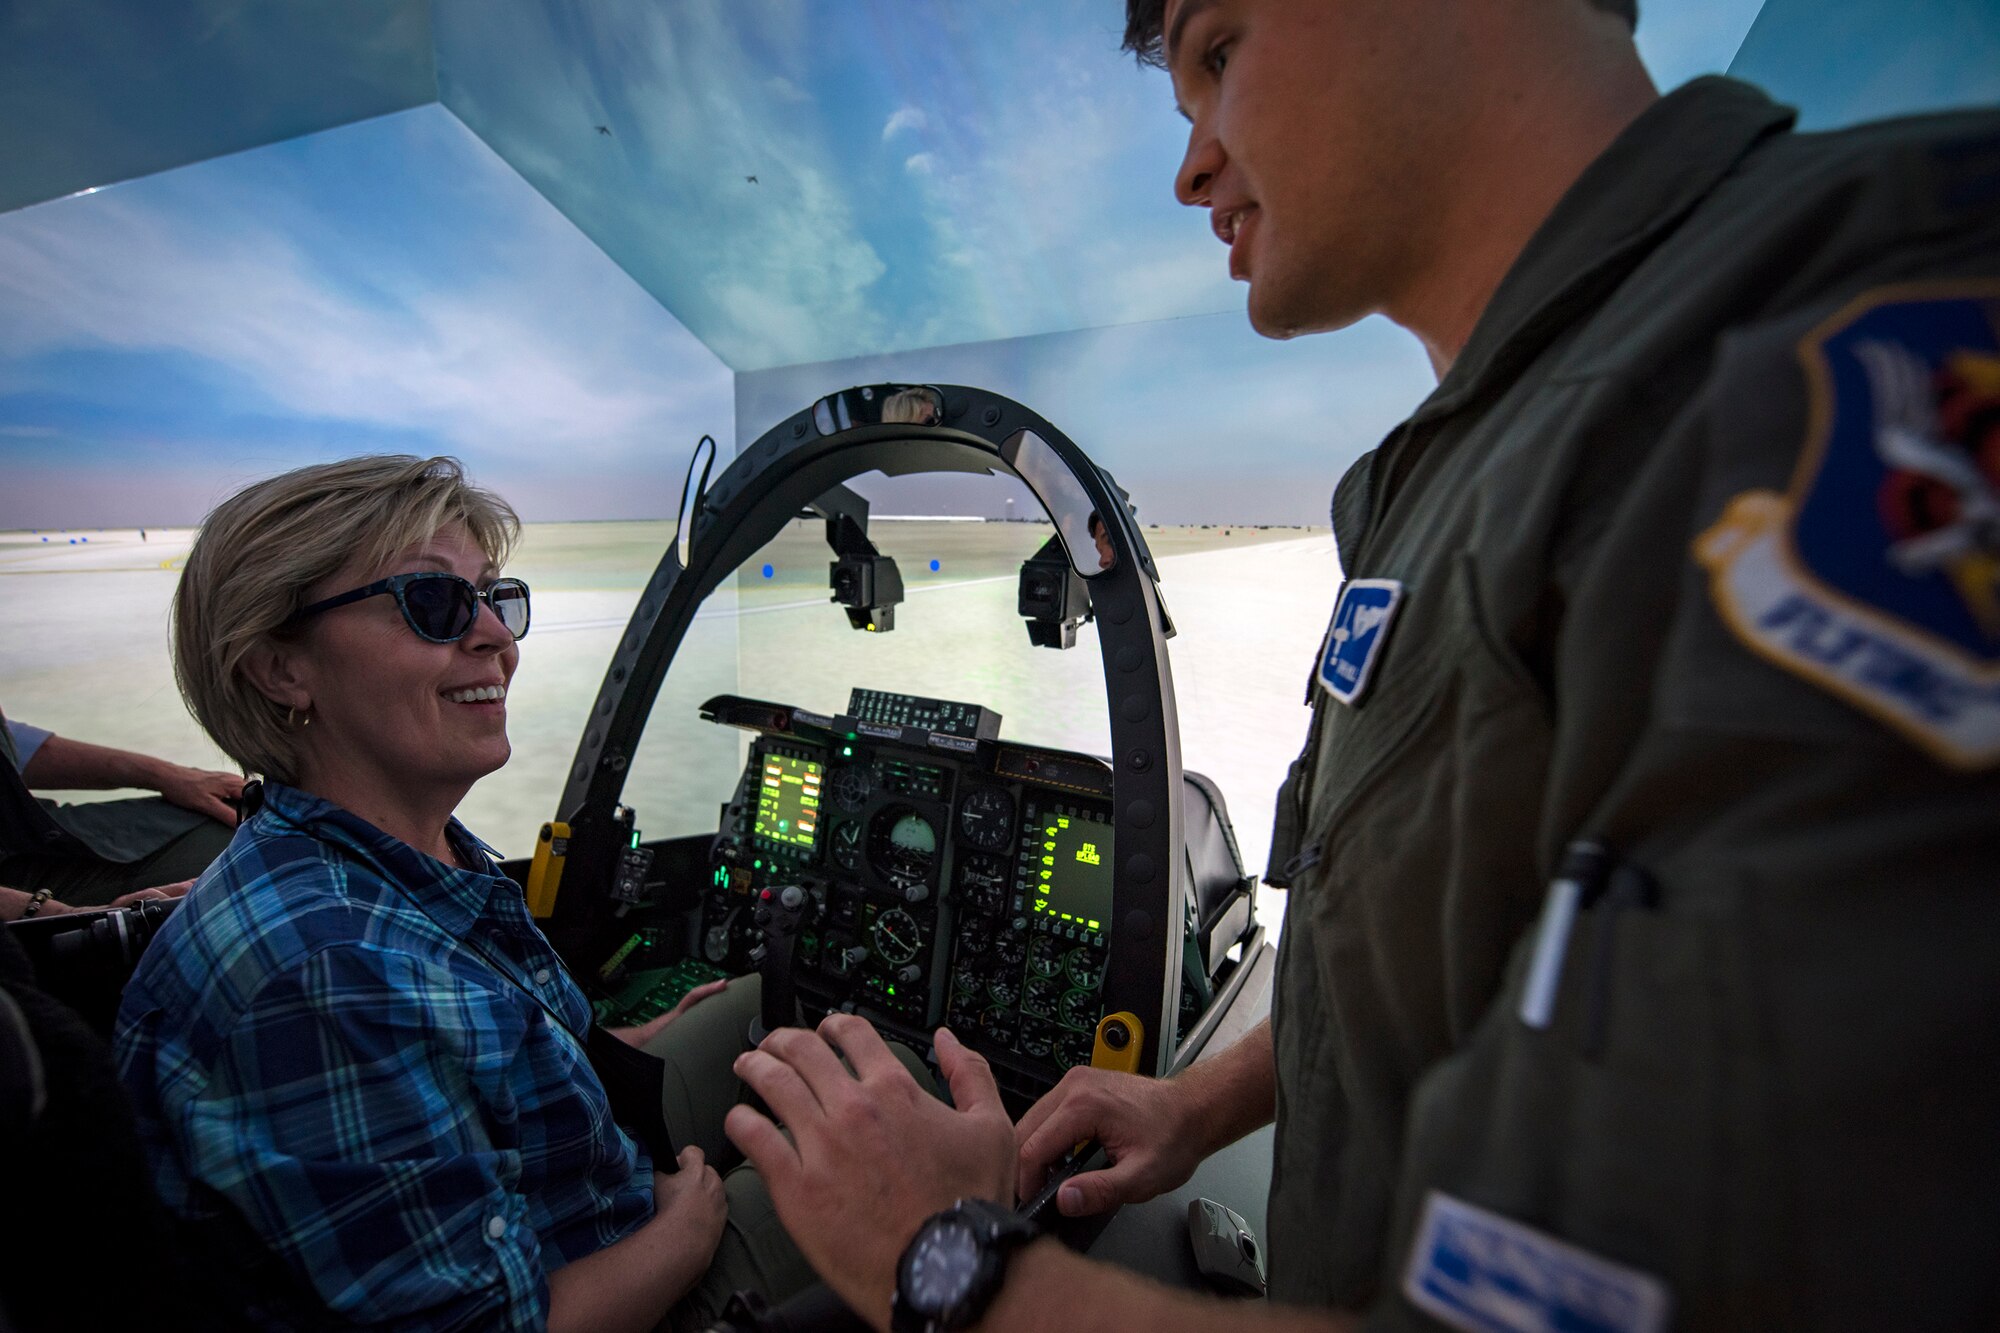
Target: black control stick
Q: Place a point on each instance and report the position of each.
(779, 913)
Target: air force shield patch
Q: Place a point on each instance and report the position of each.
(1877, 573)
(1361, 620)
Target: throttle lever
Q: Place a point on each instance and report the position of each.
(779, 913)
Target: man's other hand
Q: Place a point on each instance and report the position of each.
(1144, 1124)
(162, 893)
(870, 1154)
(202, 791)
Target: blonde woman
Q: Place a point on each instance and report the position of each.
(352, 1037)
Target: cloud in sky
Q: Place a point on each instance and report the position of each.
(904, 118)
(931, 173)
(1200, 419)
(948, 174)
(386, 285)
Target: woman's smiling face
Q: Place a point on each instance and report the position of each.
(393, 714)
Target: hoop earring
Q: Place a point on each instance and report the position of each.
(292, 718)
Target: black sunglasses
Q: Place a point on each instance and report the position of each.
(438, 606)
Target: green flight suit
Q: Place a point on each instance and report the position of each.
(1775, 1087)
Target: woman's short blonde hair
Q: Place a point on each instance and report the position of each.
(264, 547)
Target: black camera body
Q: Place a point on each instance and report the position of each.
(85, 958)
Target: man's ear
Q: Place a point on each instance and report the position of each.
(276, 672)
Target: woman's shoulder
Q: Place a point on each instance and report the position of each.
(276, 897)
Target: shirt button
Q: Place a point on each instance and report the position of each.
(542, 977)
(496, 1227)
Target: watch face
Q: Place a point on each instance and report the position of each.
(942, 1265)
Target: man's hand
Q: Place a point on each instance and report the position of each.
(162, 893)
(1144, 1124)
(61, 764)
(200, 790)
(1155, 1130)
(14, 905)
(645, 1032)
(870, 1153)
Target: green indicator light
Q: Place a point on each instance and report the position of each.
(757, 865)
(1092, 924)
(892, 990)
(846, 751)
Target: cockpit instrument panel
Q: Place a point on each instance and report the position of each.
(954, 877)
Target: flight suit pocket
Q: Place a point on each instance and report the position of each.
(1613, 1128)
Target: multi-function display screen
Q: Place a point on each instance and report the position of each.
(1073, 883)
(788, 801)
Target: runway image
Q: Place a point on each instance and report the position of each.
(86, 654)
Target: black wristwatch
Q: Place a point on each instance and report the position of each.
(954, 1266)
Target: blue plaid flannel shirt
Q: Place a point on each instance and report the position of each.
(376, 1060)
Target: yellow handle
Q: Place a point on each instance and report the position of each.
(545, 875)
(1120, 1039)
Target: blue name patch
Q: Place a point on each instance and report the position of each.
(1484, 1273)
(1361, 621)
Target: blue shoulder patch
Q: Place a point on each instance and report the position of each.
(1361, 620)
(1876, 575)
(1483, 1273)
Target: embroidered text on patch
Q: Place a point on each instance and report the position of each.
(1877, 574)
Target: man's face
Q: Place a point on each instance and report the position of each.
(1316, 128)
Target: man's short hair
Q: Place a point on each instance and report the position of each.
(1145, 21)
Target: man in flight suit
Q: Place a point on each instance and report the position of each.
(1639, 969)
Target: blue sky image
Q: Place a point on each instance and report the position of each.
(563, 272)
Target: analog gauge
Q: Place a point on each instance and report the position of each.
(1080, 1009)
(1077, 1048)
(1042, 995)
(975, 936)
(852, 786)
(897, 937)
(847, 843)
(1085, 968)
(967, 980)
(1036, 1041)
(1045, 956)
(986, 819)
(902, 844)
(982, 882)
(998, 1022)
(1010, 949)
(1004, 990)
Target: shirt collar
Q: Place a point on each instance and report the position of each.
(452, 896)
(1625, 203)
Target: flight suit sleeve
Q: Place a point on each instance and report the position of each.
(1764, 1094)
